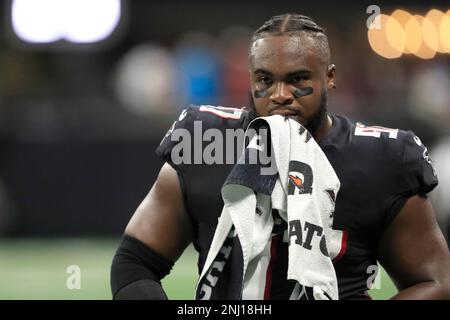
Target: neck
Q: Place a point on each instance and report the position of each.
(324, 128)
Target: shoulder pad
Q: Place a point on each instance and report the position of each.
(405, 151)
(195, 120)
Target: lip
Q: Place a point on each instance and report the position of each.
(283, 112)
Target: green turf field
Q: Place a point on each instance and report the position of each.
(36, 269)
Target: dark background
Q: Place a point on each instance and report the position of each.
(76, 160)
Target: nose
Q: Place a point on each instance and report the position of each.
(282, 95)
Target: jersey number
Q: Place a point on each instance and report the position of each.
(367, 131)
(223, 112)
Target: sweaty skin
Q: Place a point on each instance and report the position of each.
(286, 67)
(414, 253)
(161, 221)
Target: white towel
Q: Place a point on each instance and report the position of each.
(300, 183)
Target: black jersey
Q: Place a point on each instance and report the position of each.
(379, 168)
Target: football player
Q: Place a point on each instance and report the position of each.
(382, 213)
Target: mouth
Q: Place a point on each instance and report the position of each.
(283, 112)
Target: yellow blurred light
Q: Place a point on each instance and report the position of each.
(402, 17)
(413, 31)
(426, 28)
(434, 17)
(444, 32)
(430, 34)
(402, 32)
(389, 40)
(395, 34)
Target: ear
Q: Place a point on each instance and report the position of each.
(331, 76)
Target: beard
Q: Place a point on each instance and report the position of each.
(319, 117)
(312, 125)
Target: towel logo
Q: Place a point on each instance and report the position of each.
(296, 228)
(211, 278)
(300, 178)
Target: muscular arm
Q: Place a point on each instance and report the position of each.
(161, 221)
(155, 237)
(414, 253)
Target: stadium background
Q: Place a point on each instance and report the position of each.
(79, 122)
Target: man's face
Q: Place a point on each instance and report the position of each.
(282, 68)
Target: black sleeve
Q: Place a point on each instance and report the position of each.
(415, 174)
(136, 271)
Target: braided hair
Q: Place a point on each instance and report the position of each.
(290, 24)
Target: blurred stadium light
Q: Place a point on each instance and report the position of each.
(145, 80)
(424, 51)
(434, 18)
(444, 31)
(234, 42)
(390, 36)
(413, 39)
(70, 21)
(388, 40)
(198, 68)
